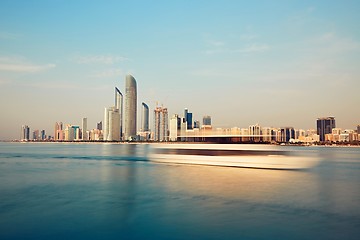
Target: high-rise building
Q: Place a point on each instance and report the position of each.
(119, 105)
(99, 125)
(255, 132)
(324, 126)
(130, 108)
(58, 134)
(161, 124)
(84, 136)
(145, 118)
(36, 135)
(111, 126)
(196, 124)
(188, 118)
(175, 126)
(286, 134)
(207, 120)
(358, 129)
(25, 133)
(43, 135)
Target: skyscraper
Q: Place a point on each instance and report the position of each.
(59, 133)
(130, 108)
(175, 126)
(25, 133)
(119, 105)
(99, 125)
(324, 126)
(111, 124)
(84, 136)
(161, 124)
(188, 119)
(145, 117)
(207, 120)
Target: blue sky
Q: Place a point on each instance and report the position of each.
(276, 63)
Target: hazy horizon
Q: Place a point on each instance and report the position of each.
(276, 63)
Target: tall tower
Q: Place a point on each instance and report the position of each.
(130, 108)
(145, 117)
(84, 136)
(25, 133)
(119, 106)
(325, 126)
(161, 124)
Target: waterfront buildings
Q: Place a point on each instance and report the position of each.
(130, 108)
(324, 126)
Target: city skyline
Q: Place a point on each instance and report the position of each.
(272, 63)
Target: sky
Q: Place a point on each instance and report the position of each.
(276, 63)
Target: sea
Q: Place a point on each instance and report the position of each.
(115, 191)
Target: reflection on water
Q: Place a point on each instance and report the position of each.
(112, 191)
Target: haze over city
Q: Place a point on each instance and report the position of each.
(281, 63)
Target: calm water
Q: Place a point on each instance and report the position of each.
(110, 191)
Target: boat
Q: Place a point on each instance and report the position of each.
(232, 155)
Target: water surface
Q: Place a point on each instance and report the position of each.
(113, 191)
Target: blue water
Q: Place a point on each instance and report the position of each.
(112, 191)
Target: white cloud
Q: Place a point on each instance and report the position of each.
(102, 59)
(12, 64)
(254, 48)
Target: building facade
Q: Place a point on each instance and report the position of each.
(161, 124)
(324, 126)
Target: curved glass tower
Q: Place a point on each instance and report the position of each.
(145, 117)
(130, 108)
(119, 105)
